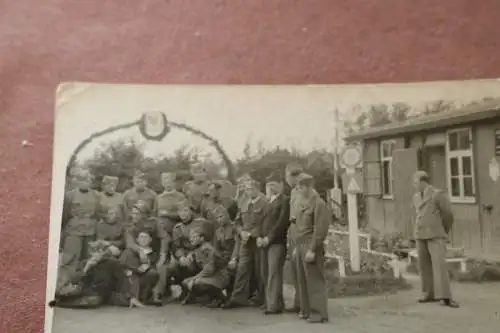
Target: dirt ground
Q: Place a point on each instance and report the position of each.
(479, 312)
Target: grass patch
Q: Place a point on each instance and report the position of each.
(478, 271)
(360, 284)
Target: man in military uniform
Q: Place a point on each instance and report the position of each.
(292, 171)
(311, 229)
(140, 220)
(214, 199)
(79, 220)
(140, 192)
(432, 224)
(182, 264)
(170, 199)
(241, 196)
(110, 199)
(249, 226)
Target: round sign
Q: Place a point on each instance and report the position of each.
(351, 156)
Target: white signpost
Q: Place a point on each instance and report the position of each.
(351, 158)
(494, 169)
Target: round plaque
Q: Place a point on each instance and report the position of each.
(154, 125)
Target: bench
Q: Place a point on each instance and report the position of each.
(413, 254)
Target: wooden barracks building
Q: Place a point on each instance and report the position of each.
(461, 152)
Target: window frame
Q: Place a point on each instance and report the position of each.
(383, 159)
(460, 154)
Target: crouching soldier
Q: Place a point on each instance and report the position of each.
(139, 220)
(182, 264)
(227, 243)
(213, 276)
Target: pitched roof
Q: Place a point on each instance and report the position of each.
(476, 112)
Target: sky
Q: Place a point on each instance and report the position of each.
(287, 116)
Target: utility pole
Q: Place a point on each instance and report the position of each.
(336, 153)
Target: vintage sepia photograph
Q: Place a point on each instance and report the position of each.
(333, 208)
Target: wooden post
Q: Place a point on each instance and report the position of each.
(352, 216)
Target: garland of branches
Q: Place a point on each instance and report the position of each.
(231, 176)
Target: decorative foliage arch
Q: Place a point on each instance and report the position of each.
(155, 126)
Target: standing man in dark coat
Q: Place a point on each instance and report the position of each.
(433, 223)
(273, 242)
(249, 225)
(311, 229)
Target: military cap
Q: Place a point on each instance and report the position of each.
(274, 177)
(140, 175)
(110, 180)
(305, 179)
(172, 176)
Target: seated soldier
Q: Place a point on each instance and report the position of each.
(182, 266)
(140, 274)
(213, 276)
(139, 220)
(227, 243)
(109, 238)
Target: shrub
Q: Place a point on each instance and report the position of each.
(478, 271)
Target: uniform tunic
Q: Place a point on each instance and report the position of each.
(111, 232)
(80, 214)
(132, 196)
(169, 202)
(248, 278)
(211, 266)
(181, 247)
(110, 201)
(227, 242)
(311, 228)
(153, 225)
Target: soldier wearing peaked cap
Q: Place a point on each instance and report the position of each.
(212, 277)
(311, 228)
(182, 265)
(110, 199)
(79, 219)
(139, 192)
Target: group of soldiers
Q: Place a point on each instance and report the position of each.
(130, 248)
